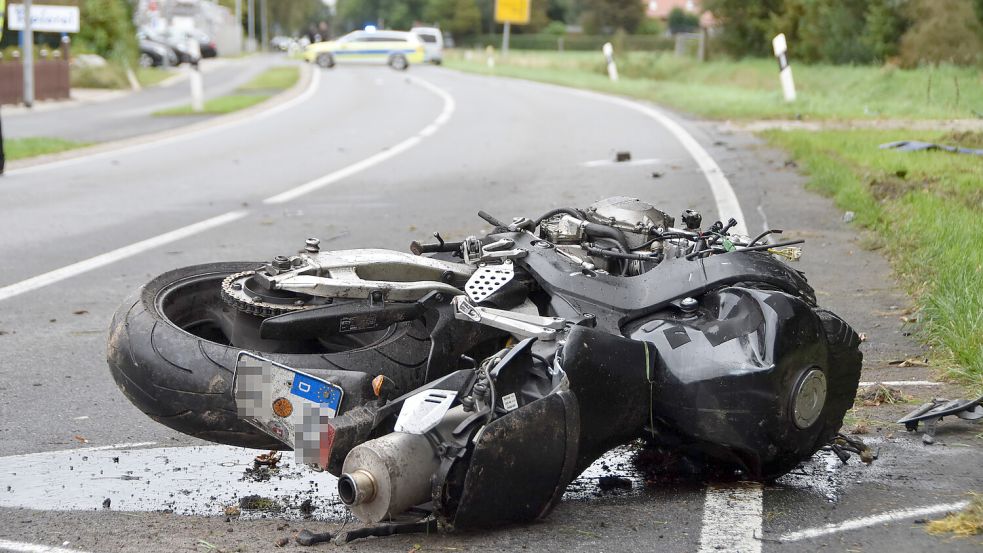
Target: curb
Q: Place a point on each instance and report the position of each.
(306, 75)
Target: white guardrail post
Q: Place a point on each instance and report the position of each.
(609, 56)
(784, 70)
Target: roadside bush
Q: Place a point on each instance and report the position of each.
(942, 31)
(107, 76)
(555, 28)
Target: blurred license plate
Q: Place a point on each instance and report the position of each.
(283, 402)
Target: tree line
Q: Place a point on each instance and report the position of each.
(908, 32)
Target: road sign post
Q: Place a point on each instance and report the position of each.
(28, 56)
(508, 12)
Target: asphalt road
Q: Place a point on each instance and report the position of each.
(382, 158)
(132, 115)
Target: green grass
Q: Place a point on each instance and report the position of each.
(150, 76)
(261, 88)
(928, 208)
(277, 78)
(219, 106)
(21, 148)
(749, 89)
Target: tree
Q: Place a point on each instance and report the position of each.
(886, 23)
(607, 16)
(942, 31)
(682, 22)
(747, 25)
(106, 28)
(460, 17)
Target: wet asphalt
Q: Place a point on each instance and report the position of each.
(509, 148)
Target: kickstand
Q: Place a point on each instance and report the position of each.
(387, 530)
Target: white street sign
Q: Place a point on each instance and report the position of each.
(44, 18)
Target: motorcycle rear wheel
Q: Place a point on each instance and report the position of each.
(170, 353)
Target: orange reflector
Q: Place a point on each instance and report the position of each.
(282, 407)
(377, 384)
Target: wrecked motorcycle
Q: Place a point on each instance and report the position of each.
(479, 378)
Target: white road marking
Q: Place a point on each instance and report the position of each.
(371, 161)
(613, 163)
(901, 383)
(149, 142)
(883, 518)
(732, 519)
(19, 547)
(101, 260)
(723, 193)
(128, 445)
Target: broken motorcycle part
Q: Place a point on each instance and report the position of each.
(931, 414)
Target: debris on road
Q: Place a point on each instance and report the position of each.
(849, 216)
(932, 412)
(81, 439)
(232, 511)
(608, 483)
(267, 459)
(308, 538)
(879, 394)
(917, 146)
(259, 503)
(622, 156)
(968, 522)
(843, 446)
(281, 542)
(106, 503)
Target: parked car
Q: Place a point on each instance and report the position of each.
(178, 48)
(395, 48)
(433, 43)
(156, 54)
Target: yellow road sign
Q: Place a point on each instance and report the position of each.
(2, 6)
(512, 11)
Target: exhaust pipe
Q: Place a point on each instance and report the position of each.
(383, 477)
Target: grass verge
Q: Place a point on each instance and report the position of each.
(151, 76)
(968, 522)
(749, 89)
(21, 148)
(261, 88)
(927, 207)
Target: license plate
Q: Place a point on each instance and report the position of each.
(285, 403)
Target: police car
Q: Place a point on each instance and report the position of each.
(395, 48)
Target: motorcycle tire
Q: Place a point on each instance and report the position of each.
(175, 367)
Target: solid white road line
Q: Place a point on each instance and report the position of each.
(19, 547)
(857, 523)
(723, 192)
(732, 519)
(101, 260)
(371, 161)
(148, 142)
(128, 445)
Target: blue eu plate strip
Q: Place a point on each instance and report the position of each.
(316, 391)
